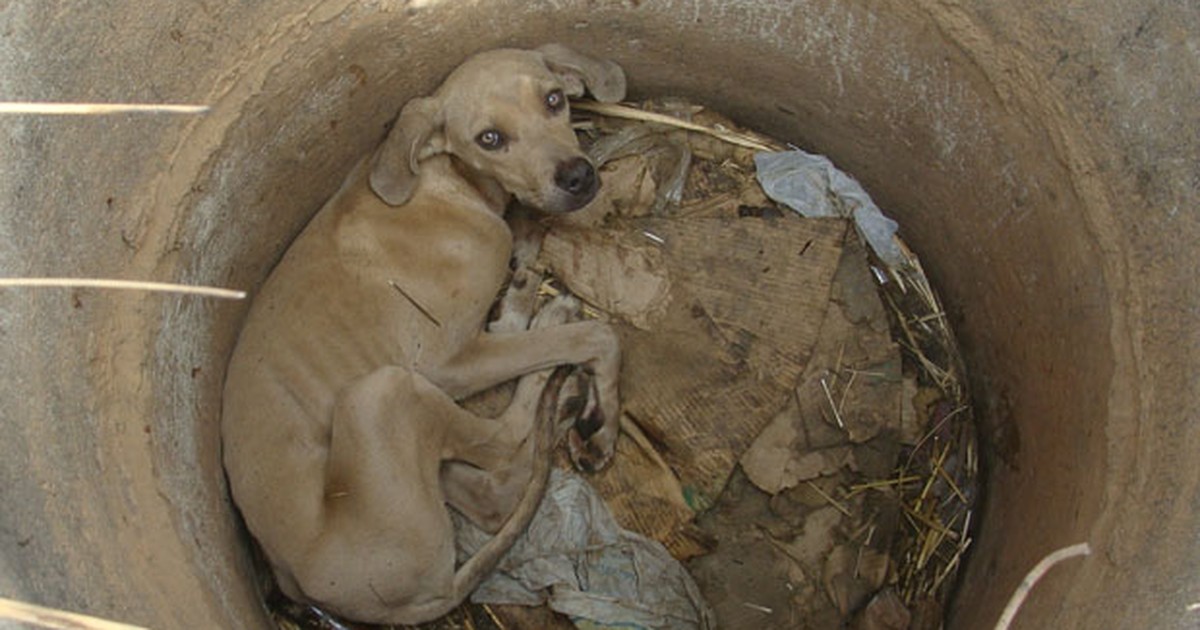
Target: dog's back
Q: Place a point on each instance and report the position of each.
(363, 286)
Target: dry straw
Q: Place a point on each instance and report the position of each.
(96, 109)
(739, 138)
(55, 619)
(122, 285)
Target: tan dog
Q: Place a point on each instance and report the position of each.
(339, 404)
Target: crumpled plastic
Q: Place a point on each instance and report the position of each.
(577, 558)
(646, 140)
(811, 185)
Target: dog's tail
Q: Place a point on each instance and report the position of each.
(472, 572)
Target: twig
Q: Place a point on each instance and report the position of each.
(933, 525)
(415, 303)
(832, 405)
(97, 109)
(56, 619)
(487, 608)
(1035, 574)
(932, 432)
(846, 390)
(761, 609)
(547, 288)
(654, 237)
(950, 482)
(98, 283)
(841, 508)
(883, 483)
(632, 113)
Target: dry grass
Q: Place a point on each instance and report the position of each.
(742, 139)
(96, 109)
(937, 499)
(43, 617)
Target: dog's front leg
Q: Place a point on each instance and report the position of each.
(493, 358)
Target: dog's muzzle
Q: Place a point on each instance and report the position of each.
(577, 178)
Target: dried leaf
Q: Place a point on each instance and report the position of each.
(885, 611)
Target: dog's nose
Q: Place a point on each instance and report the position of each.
(576, 177)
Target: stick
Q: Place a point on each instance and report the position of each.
(832, 405)
(841, 508)
(632, 113)
(56, 619)
(123, 285)
(417, 305)
(97, 109)
(1035, 574)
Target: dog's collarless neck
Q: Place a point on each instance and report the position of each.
(490, 191)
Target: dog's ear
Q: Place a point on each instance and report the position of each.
(416, 136)
(604, 79)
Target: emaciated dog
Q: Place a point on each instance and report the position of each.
(340, 399)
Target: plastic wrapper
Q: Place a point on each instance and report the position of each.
(811, 185)
(576, 558)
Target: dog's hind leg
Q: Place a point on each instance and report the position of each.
(382, 544)
(385, 552)
(486, 496)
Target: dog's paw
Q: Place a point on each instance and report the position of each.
(592, 439)
(593, 452)
(514, 310)
(579, 413)
(559, 310)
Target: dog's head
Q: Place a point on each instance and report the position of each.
(504, 115)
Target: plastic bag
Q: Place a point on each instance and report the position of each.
(578, 559)
(814, 187)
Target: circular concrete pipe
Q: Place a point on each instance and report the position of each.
(1040, 156)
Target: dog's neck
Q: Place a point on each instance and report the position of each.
(488, 188)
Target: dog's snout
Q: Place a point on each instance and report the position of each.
(577, 177)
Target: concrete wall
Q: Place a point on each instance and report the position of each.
(1041, 157)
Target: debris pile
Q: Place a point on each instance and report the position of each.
(795, 426)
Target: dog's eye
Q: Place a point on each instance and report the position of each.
(555, 100)
(491, 139)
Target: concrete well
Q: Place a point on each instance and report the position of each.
(1040, 155)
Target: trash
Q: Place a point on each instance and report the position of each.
(812, 186)
(844, 584)
(885, 611)
(849, 392)
(626, 278)
(746, 581)
(575, 557)
(704, 375)
(752, 335)
(827, 371)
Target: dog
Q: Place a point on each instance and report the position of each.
(342, 437)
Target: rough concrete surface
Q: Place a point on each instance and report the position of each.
(1040, 156)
